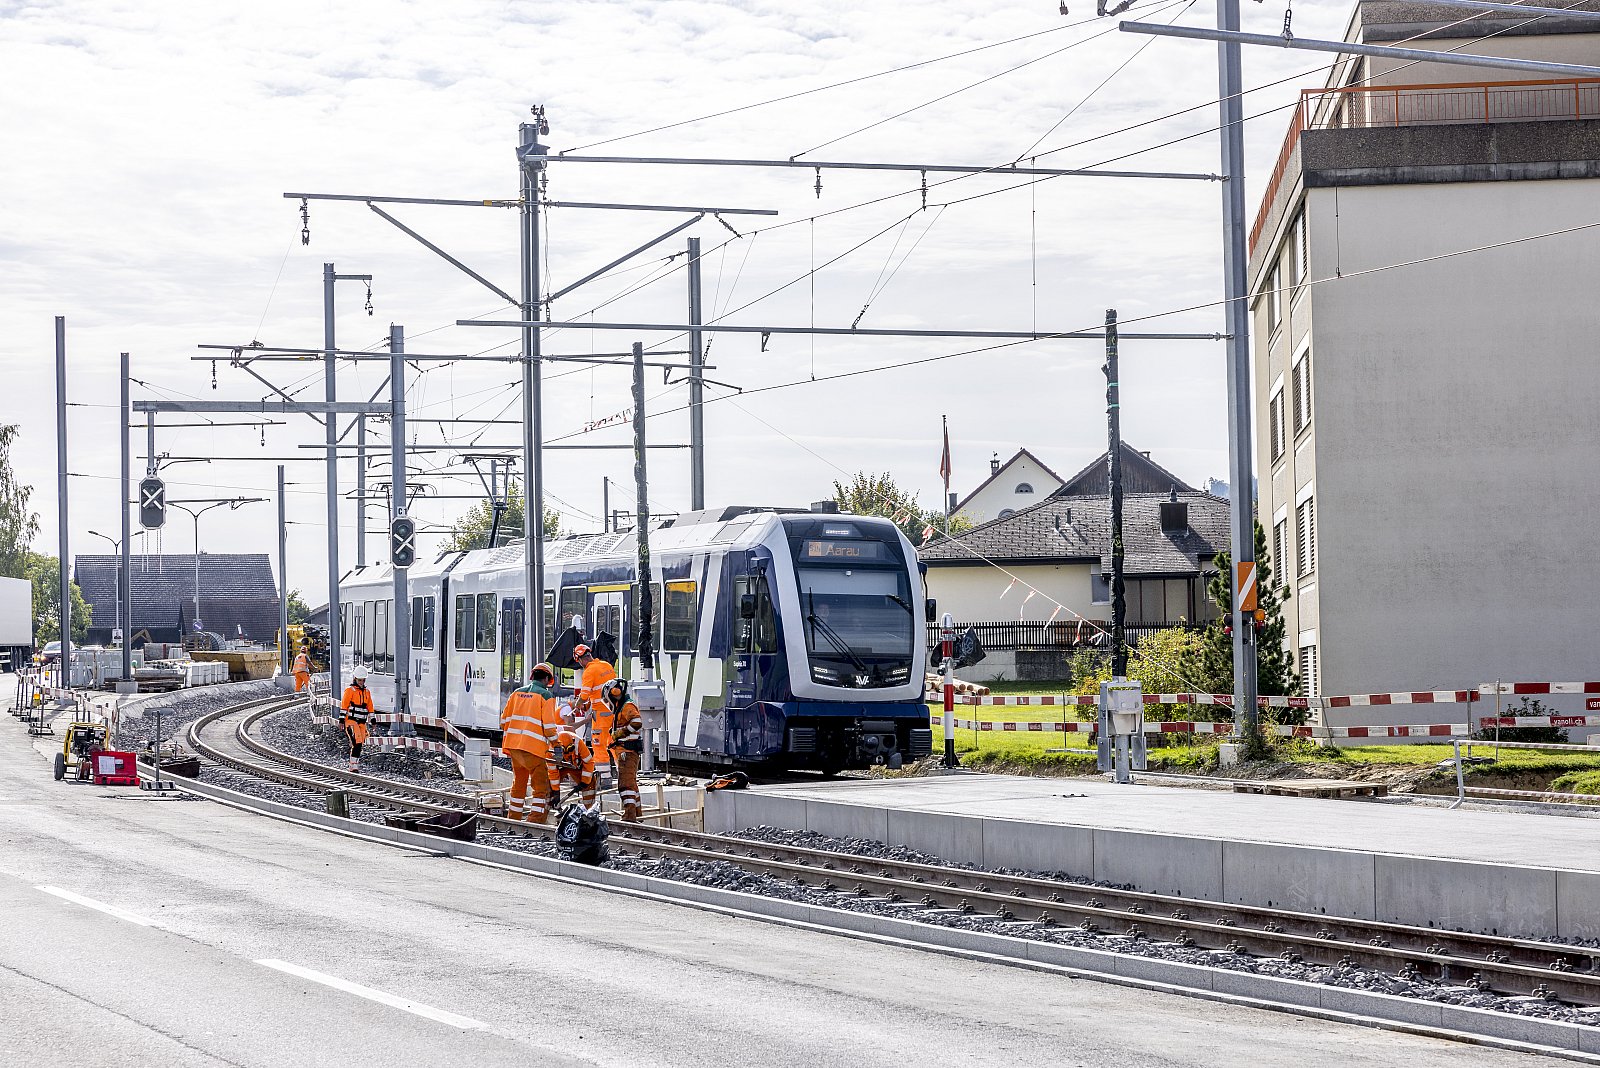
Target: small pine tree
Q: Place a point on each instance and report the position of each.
(1274, 664)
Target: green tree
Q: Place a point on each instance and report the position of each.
(18, 525)
(1167, 661)
(298, 612)
(1274, 664)
(471, 531)
(45, 574)
(879, 495)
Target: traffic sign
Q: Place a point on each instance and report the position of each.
(152, 503)
(403, 541)
(1247, 586)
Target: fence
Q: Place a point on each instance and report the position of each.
(1071, 634)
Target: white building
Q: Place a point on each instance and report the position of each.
(1427, 414)
(1020, 482)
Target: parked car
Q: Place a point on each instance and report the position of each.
(51, 653)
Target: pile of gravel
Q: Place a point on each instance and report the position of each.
(182, 707)
(292, 732)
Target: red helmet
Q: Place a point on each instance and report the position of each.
(580, 651)
(544, 670)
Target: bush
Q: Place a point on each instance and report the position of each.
(1534, 735)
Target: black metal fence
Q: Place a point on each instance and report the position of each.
(1071, 634)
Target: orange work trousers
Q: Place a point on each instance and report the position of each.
(528, 769)
(301, 681)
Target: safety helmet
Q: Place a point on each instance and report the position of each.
(543, 669)
(580, 651)
(617, 691)
(566, 739)
(358, 675)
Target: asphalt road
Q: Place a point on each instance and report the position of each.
(495, 968)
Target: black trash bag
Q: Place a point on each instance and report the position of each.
(729, 780)
(581, 835)
(561, 651)
(605, 647)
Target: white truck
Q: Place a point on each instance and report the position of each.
(16, 622)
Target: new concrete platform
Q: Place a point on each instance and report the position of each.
(1518, 873)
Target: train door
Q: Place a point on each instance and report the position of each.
(606, 613)
(755, 636)
(513, 618)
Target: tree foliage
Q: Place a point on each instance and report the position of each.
(1275, 673)
(45, 574)
(298, 612)
(1167, 661)
(471, 531)
(18, 524)
(879, 495)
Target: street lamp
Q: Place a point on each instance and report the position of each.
(196, 513)
(116, 586)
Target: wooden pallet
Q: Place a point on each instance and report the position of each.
(1312, 788)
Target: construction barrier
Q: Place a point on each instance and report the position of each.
(1420, 697)
(1413, 730)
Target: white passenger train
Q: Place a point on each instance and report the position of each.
(785, 638)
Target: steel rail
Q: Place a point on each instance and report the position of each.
(1491, 963)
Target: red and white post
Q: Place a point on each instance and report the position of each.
(947, 647)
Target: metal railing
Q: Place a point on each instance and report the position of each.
(1361, 107)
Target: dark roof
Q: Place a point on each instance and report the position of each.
(1063, 529)
(1140, 474)
(1002, 469)
(237, 591)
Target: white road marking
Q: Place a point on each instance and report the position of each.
(393, 1000)
(98, 906)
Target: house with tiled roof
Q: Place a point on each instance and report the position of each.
(1061, 547)
(235, 596)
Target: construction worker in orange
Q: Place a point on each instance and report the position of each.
(302, 669)
(627, 746)
(575, 761)
(528, 727)
(357, 706)
(593, 677)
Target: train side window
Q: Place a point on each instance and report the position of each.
(743, 628)
(486, 620)
(427, 622)
(549, 618)
(574, 602)
(416, 622)
(381, 635)
(388, 633)
(344, 623)
(678, 614)
(363, 611)
(464, 630)
(512, 623)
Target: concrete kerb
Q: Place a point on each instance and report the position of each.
(1335, 1004)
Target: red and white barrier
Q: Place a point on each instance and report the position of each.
(1411, 730)
(1417, 697)
(1520, 688)
(1539, 721)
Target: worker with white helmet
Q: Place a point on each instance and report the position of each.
(357, 706)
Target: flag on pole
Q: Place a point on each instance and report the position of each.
(944, 458)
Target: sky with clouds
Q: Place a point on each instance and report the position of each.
(148, 145)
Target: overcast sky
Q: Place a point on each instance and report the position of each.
(148, 145)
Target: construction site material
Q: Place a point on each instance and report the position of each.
(242, 666)
(1312, 788)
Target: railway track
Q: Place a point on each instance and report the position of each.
(1028, 906)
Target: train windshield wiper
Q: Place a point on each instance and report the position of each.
(902, 602)
(818, 624)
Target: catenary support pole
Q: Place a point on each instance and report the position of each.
(283, 579)
(641, 483)
(125, 550)
(361, 491)
(1241, 465)
(605, 505)
(530, 159)
(1119, 599)
(330, 393)
(64, 618)
(401, 615)
(697, 357)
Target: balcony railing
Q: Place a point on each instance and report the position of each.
(1472, 103)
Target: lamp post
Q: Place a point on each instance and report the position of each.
(116, 587)
(195, 514)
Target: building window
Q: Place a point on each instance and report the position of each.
(1308, 672)
(1302, 258)
(1007, 513)
(1302, 392)
(1280, 562)
(1099, 587)
(1023, 487)
(1272, 302)
(1306, 524)
(1275, 424)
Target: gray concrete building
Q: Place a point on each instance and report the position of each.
(1426, 386)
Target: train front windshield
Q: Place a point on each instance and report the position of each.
(856, 611)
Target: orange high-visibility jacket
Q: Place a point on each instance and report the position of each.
(530, 720)
(357, 706)
(577, 761)
(302, 664)
(629, 728)
(591, 697)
